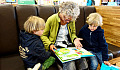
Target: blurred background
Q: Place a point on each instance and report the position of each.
(57, 2)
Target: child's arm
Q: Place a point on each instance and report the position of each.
(40, 53)
(104, 46)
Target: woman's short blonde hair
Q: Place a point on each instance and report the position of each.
(70, 9)
(34, 23)
(94, 18)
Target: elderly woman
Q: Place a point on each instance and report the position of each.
(60, 32)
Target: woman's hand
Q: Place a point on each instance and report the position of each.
(77, 43)
(52, 47)
(107, 63)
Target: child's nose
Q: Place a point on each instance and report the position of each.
(92, 27)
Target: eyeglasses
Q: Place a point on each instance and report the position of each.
(67, 17)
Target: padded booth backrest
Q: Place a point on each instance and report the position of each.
(23, 12)
(8, 30)
(88, 10)
(80, 21)
(45, 11)
(56, 8)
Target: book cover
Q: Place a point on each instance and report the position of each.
(106, 67)
(69, 54)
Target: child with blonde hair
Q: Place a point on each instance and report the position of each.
(94, 40)
(31, 46)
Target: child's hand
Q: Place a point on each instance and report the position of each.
(77, 43)
(52, 47)
(107, 63)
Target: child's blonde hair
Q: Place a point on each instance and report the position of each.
(34, 23)
(94, 18)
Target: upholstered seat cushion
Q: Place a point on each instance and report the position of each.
(110, 55)
(115, 50)
(11, 62)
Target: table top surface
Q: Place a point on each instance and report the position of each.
(115, 60)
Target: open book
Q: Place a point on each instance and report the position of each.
(69, 54)
(111, 67)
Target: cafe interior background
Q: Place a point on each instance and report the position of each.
(57, 2)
